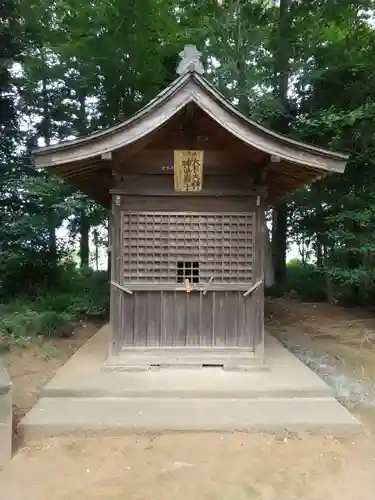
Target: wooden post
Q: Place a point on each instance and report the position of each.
(258, 289)
(109, 250)
(115, 294)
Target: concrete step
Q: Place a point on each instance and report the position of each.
(5, 443)
(190, 383)
(182, 393)
(115, 416)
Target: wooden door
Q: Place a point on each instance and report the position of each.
(214, 251)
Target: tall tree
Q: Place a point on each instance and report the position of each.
(281, 123)
(336, 108)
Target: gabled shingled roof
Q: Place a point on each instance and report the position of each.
(85, 155)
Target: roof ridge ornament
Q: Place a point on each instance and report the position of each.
(190, 60)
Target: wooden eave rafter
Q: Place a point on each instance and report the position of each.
(73, 159)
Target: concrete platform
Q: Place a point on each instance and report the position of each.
(285, 395)
(5, 417)
(231, 358)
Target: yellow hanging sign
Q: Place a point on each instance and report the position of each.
(188, 170)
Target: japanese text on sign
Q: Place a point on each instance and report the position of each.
(188, 170)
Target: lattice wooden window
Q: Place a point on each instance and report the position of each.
(221, 245)
(187, 270)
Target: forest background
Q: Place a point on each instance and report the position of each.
(69, 67)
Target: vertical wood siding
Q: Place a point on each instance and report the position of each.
(178, 319)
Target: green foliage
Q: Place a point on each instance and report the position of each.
(307, 280)
(79, 295)
(55, 324)
(81, 292)
(354, 286)
(48, 352)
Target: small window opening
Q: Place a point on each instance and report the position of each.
(188, 270)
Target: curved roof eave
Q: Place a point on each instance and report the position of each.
(190, 87)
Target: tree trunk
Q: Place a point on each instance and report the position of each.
(319, 253)
(84, 248)
(84, 225)
(282, 65)
(328, 282)
(96, 245)
(279, 229)
(46, 131)
(302, 249)
(52, 242)
(243, 99)
(281, 124)
(46, 122)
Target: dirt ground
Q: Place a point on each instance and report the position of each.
(348, 334)
(345, 334)
(203, 466)
(191, 467)
(32, 367)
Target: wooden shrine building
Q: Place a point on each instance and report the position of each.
(187, 180)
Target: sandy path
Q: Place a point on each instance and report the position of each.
(192, 467)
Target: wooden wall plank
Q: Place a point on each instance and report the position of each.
(219, 312)
(184, 203)
(168, 318)
(193, 319)
(154, 303)
(127, 319)
(140, 318)
(231, 319)
(207, 307)
(250, 332)
(243, 326)
(180, 319)
(144, 184)
(258, 319)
